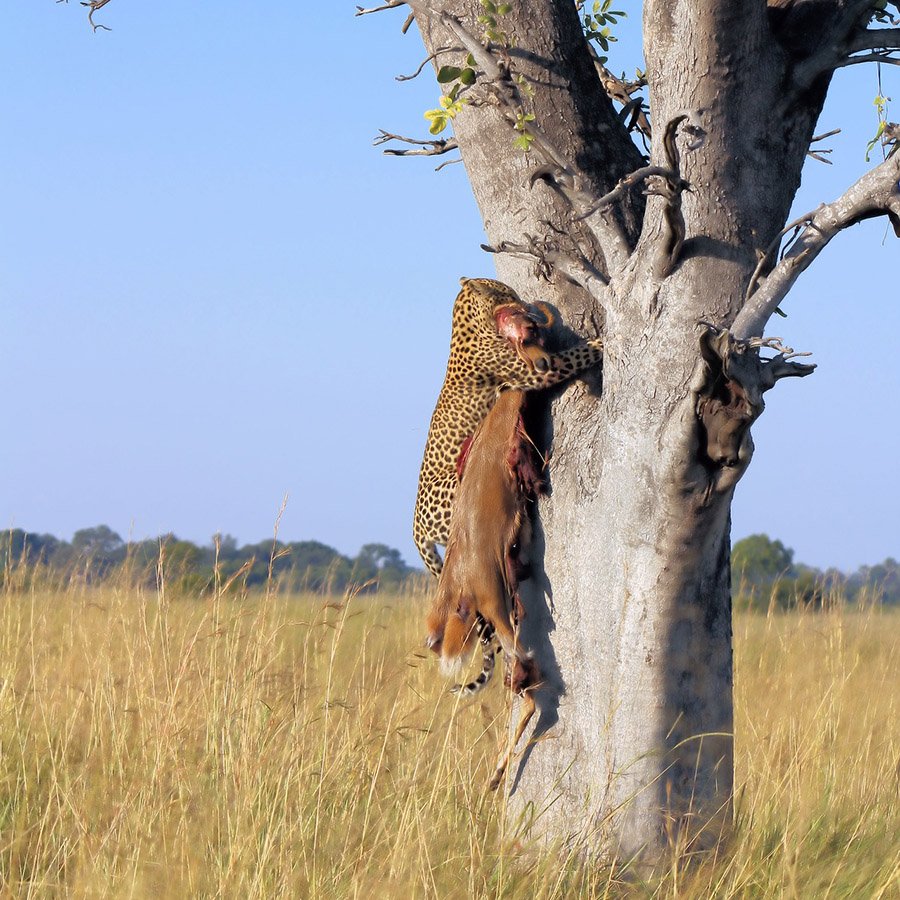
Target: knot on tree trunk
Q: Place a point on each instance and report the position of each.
(730, 396)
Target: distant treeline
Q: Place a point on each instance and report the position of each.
(99, 554)
(763, 570)
(764, 573)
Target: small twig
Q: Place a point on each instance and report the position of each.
(776, 344)
(818, 155)
(821, 137)
(93, 6)
(448, 162)
(424, 63)
(425, 148)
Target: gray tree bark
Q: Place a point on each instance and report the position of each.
(630, 616)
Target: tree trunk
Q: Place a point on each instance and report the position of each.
(630, 614)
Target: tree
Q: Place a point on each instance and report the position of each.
(632, 621)
(381, 563)
(675, 261)
(100, 543)
(760, 560)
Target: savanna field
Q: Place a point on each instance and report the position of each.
(156, 744)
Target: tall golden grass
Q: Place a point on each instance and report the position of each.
(272, 746)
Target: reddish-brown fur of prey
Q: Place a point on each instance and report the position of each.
(488, 525)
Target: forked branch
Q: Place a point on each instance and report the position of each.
(877, 193)
(434, 147)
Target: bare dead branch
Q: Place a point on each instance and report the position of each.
(827, 134)
(390, 4)
(93, 6)
(777, 344)
(817, 154)
(423, 148)
(548, 256)
(449, 162)
(876, 193)
(618, 192)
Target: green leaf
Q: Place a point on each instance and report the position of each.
(503, 9)
(447, 74)
(523, 142)
(438, 119)
(489, 6)
(470, 61)
(467, 76)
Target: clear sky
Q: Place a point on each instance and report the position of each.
(215, 292)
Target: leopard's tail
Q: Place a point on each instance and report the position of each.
(486, 636)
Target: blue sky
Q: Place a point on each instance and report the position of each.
(215, 292)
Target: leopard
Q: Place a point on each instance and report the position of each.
(482, 362)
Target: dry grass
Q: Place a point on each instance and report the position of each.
(284, 747)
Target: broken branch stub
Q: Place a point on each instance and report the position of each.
(730, 399)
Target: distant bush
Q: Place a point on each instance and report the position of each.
(764, 573)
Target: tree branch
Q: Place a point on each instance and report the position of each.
(621, 91)
(847, 37)
(604, 227)
(875, 39)
(391, 4)
(425, 148)
(548, 257)
(882, 56)
(876, 193)
(425, 62)
(817, 154)
(93, 6)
